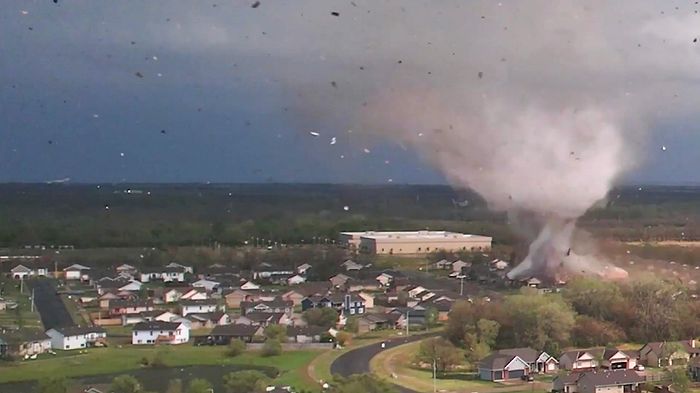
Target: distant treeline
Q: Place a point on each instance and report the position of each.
(170, 215)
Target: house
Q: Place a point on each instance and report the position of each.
(186, 269)
(578, 360)
(414, 316)
(351, 265)
(198, 306)
(249, 285)
(443, 264)
(532, 282)
(303, 269)
(195, 294)
(662, 354)
(349, 303)
(502, 367)
(21, 272)
(339, 280)
(23, 343)
(368, 298)
(277, 305)
(236, 296)
(384, 279)
(158, 332)
(372, 322)
(75, 271)
(223, 334)
(208, 320)
(304, 290)
(614, 359)
(172, 295)
(76, 337)
(601, 381)
(538, 361)
(133, 286)
(126, 268)
(391, 278)
(295, 280)
(173, 274)
(355, 285)
(127, 307)
(413, 290)
(498, 264)
(257, 318)
(304, 334)
(459, 265)
(209, 285)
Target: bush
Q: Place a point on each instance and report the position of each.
(272, 348)
(236, 347)
(158, 360)
(343, 338)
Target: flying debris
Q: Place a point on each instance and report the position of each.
(334, 84)
(481, 74)
(155, 58)
(366, 150)
(95, 115)
(346, 208)
(314, 133)
(333, 141)
(140, 75)
(255, 4)
(334, 13)
(59, 181)
(121, 154)
(24, 12)
(342, 156)
(663, 147)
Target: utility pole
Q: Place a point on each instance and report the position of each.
(407, 323)
(461, 285)
(32, 299)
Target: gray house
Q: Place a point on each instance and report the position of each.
(502, 367)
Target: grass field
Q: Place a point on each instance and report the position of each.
(292, 365)
(22, 315)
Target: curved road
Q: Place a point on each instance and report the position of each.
(357, 361)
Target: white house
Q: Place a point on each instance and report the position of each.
(458, 265)
(209, 285)
(351, 265)
(21, 272)
(74, 271)
(75, 337)
(131, 286)
(186, 269)
(195, 294)
(126, 268)
(295, 280)
(198, 306)
(250, 286)
(303, 268)
(159, 332)
(173, 274)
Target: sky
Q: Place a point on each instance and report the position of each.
(299, 91)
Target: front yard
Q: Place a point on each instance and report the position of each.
(21, 316)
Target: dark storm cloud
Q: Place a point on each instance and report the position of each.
(238, 88)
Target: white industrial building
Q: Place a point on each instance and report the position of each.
(413, 242)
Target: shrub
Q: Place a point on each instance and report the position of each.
(236, 347)
(272, 348)
(343, 338)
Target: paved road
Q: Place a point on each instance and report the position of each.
(357, 361)
(50, 306)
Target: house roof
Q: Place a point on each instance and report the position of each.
(304, 331)
(23, 335)
(202, 302)
(234, 330)
(156, 325)
(78, 330)
(257, 316)
(130, 303)
(496, 361)
(575, 355)
(529, 355)
(589, 381)
(277, 302)
(21, 269)
(209, 316)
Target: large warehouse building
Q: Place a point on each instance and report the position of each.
(413, 242)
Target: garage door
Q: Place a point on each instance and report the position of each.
(516, 374)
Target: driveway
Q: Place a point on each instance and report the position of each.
(357, 361)
(50, 306)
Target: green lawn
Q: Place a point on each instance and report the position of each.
(292, 365)
(74, 310)
(22, 315)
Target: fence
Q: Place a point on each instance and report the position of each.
(293, 346)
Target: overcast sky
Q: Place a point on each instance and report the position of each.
(220, 91)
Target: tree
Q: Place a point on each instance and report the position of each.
(360, 383)
(679, 379)
(352, 324)
(245, 381)
(236, 347)
(199, 385)
(125, 384)
(590, 332)
(487, 331)
(324, 317)
(271, 347)
(343, 338)
(440, 352)
(53, 385)
(656, 304)
(593, 297)
(431, 317)
(276, 332)
(537, 321)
